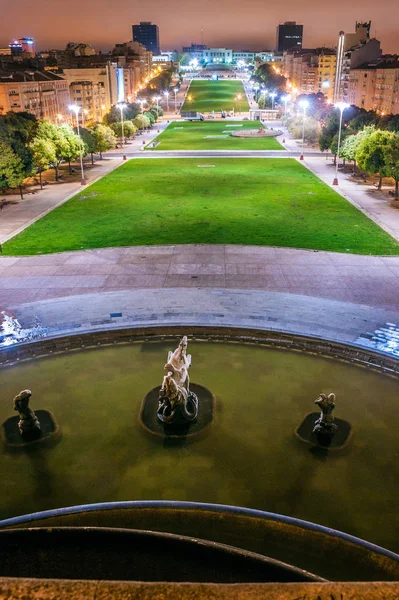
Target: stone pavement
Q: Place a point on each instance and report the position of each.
(367, 280)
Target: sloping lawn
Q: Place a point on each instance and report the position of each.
(273, 202)
(215, 95)
(212, 135)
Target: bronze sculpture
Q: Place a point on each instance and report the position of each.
(28, 423)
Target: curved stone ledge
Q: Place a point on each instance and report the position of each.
(353, 354)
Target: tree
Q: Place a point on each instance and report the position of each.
(129, 129)
(56, 135)
(312, 128)
(391, 158)
(11, 169)
(150, 117)
(104, 138)
(371, 154)
(73, 145)
(130, 111)
(141, 122)
(88, 141)
(43, 155)
(352, 142)
(157, 110)
(17, 130)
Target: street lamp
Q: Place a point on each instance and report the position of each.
(141, 102)
(75, 108)
(122, 106)
(85, 112)
(272, 96)
(175, 91)
(238, 97)
(285, 99)
(342, 106)
(303, 104)
(166, 94)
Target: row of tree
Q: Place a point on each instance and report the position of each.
(29, 146)
(376, 152)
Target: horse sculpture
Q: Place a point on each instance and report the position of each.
(325, 425)
(177, 404)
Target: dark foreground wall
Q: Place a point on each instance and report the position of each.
(48, 589)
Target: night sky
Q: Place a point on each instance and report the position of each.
(231, 23)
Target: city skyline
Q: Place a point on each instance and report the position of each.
(251, 27)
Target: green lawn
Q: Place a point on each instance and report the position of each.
(274, 202)
(198, 135)
(215, 95)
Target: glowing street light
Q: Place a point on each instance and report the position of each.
(75, 108)
(239, 97)
(166, 94)
(272, 96)
(142, 102)
(285, 99)
(156, 98)
(122, 106)
(342, 106)
(175, 91)
(303, 104)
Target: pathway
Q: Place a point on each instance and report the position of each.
(366, 280)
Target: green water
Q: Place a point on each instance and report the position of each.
(250, 457)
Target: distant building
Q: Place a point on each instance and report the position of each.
(374, 86)
(226, 55)
(354, 49)
(289, 35)
(28, 45)
(310, 71)
(44, 95)
(15, 48)
(147, 34)
(95, 90)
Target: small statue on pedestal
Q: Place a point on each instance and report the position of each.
(177, 405)
(28, 424)
(325, 426)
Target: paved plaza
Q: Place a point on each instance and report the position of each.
(367, 280)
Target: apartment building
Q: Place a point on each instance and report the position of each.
(95, 90)
(375, 86)
(310, 71)
(43, 94)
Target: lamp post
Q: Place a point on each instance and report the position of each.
(238, 97)
(75, 108)
(303, 104)
(272, 96)
(285, 100)
(121, 106)
(85, 112)
(166, 94)
(342, 106)
(175, 91)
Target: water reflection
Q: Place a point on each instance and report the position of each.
(12, 332)
(384, 339)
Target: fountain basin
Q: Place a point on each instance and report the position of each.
(251, 456)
